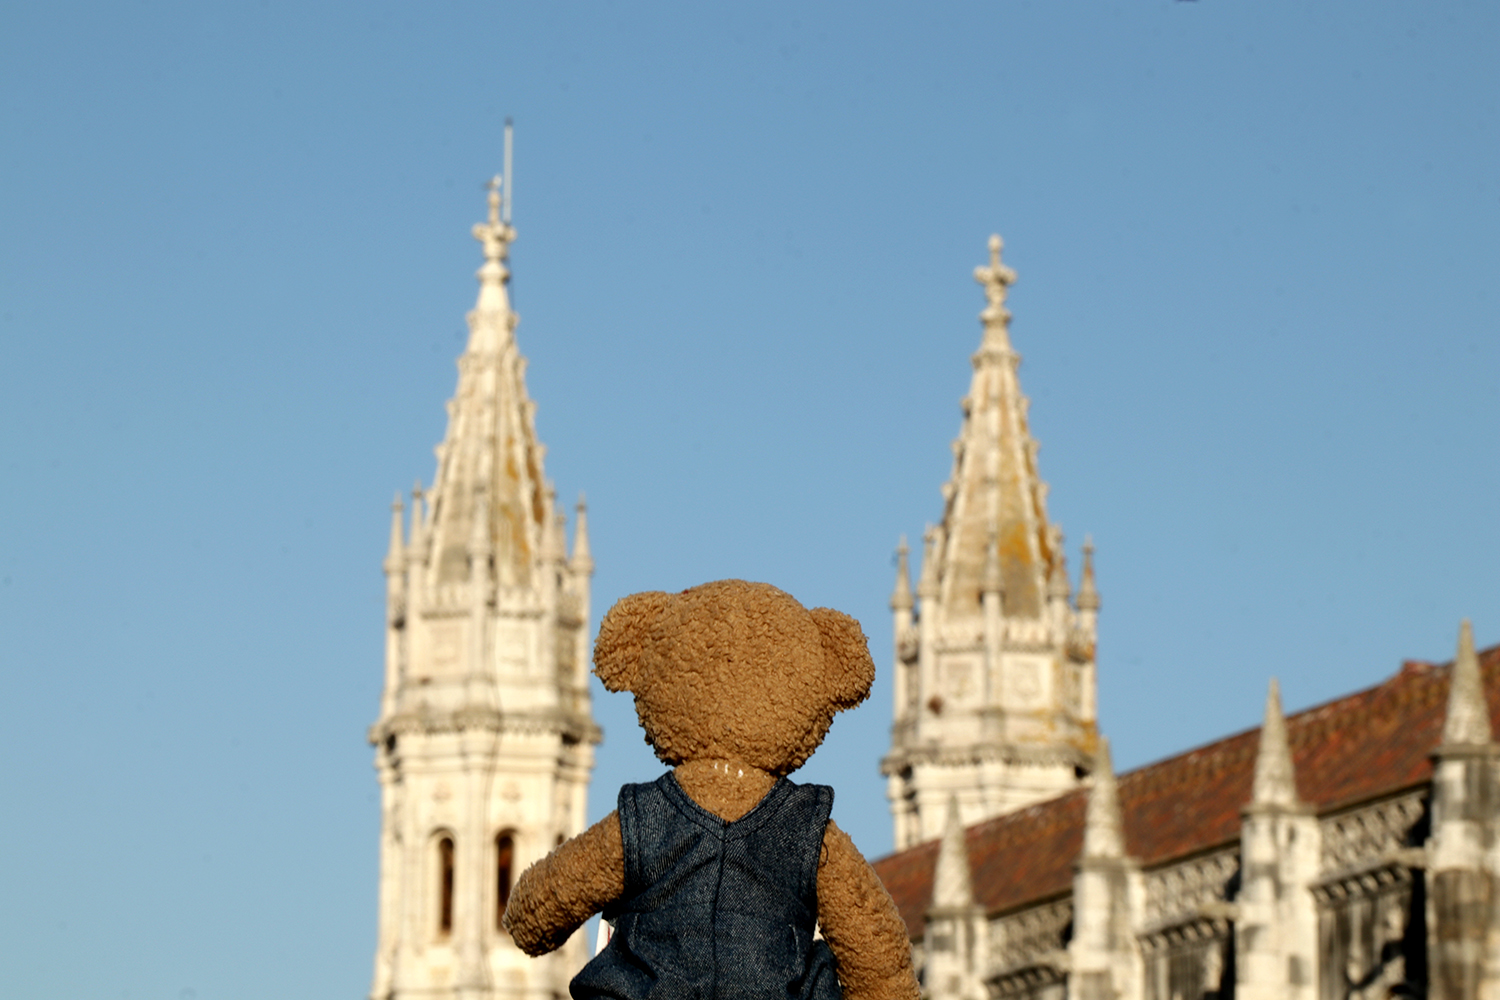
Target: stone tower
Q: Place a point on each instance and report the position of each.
(994, 672)
(485, 739)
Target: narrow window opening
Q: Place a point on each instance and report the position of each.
(505, 853)
(445, 886)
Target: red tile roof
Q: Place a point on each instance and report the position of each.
(1360, 747)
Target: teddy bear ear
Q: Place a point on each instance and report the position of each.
(846, 656)
(622, 638)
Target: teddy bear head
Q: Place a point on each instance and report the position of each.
(733, 670)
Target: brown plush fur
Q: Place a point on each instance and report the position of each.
(735, 685)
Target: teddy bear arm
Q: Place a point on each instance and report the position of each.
(556, 895)
(861, 924)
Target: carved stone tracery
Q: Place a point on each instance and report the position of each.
(1183, 891)
(1357, 837)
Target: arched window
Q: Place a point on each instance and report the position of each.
(445, 886)
(505, 856)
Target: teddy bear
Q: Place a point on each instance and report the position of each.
(718, 876)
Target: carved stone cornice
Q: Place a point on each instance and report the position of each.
(1028, 982)
(1356, 838)
(1029, 938)
(903, 758)
(1189, 890)
(572, 728)
(1381, 876)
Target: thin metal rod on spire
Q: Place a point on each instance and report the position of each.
(509, 175)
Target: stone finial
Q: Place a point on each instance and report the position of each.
(996, 279)
(1088, 592)
(494, 234)
(398, 542)
(1058, 587)
(1275, 776)
(415, 535)
(1468, 721)
(1103, 825)
(901, 599)
(553, 546)
(952, 883)
(927, 583)
(582, 562)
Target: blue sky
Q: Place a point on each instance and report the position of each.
(1256, 304)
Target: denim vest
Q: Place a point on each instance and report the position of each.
(715, 910)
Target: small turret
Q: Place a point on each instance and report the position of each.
(1059, 590)
(955, 932)
(901, 599)
(927, 582)
(394, 552)
(1058, 587)
(1275, 780)
(1461, 863)
(554, 547)
(416, 548)
(395, 611)
(1468, 720)
(1088, 591)
(582, 563)
(1103, 829)
(1108, 898)
(1281, 858)
(952, 883)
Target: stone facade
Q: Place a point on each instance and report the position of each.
(485, 739)
(994, 665)
(1352, 851)
(1346, 852)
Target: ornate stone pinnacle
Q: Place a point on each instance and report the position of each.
(1275, 781)
(494, 234)
(1468, 719)
(1103, 824)
(952, 881)
(996, 279)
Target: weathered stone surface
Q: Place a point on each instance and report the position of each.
(994, 667)
(484, 743)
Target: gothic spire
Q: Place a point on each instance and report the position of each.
(927, 582)
(1058, 587)
(1088, 591)
(952, 883)
(901, 595)
(1468, 721)
(1275, 781)
(996, 501)
(490, 448)
(397, 546)
(1103, 825)
(554, 544)
(583, 560)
